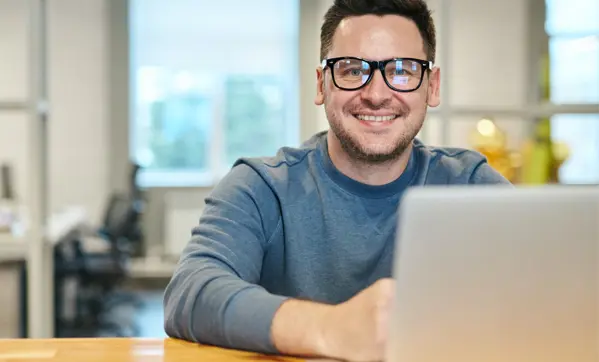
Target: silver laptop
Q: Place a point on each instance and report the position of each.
(495, 274)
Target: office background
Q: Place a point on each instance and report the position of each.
(184, 87)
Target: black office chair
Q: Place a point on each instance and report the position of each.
(139, 202)
(107, 271)
(99, 274)
(76, 302)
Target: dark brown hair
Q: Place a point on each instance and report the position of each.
(415, 10)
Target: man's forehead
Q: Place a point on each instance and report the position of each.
(381, 37)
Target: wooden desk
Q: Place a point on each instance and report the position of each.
(121, 350)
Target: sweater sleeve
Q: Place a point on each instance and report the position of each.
(484, 174)
(214, 297)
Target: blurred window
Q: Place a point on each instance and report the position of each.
(581, 133)
(573, 30)
(210, 85)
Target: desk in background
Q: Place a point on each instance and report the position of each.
(61, 225)
(12, 249)
(15, 251)
(121, 350)
(152, 268)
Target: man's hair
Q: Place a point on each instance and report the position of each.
(415, 10)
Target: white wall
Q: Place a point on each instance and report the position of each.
(78, 92)
(78, 159)
(14, 87)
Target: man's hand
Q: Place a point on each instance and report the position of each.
(355, 330)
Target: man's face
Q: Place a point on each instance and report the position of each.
(376, 38)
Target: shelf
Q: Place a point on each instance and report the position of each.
(14, 106)
(11, 248)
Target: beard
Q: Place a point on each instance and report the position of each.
(363, 153)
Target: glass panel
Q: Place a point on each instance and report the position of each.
(13, 50)
(581, 134)
(173, 120)
(204, 93)
(254, 116)
(574, 17)
(574, 72)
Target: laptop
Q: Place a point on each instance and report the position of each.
(497, 274)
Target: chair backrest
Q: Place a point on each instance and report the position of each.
(121, 217)
(134, 188)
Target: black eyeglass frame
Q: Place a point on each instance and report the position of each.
(380, 65)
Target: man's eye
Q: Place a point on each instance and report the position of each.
(354, 72)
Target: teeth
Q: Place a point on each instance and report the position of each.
(375, 118)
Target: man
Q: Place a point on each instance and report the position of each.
(293, 254)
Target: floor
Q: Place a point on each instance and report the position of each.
(147, 318)
(150, 317)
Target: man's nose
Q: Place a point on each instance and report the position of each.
(376, 92)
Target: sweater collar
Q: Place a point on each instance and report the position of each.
(364, 190)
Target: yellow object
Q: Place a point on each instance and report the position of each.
(491, 141)
(542, 157)
(538, 156)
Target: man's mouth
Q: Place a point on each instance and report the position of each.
(378, 120)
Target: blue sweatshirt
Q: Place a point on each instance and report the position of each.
(294, 226)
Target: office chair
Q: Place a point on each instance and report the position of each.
(99, 274)
(107, 271)
(136, 237)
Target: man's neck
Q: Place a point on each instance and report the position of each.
(370, 174)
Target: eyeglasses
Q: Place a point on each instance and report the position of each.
(400, 74)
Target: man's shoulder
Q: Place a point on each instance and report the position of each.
(287, 160)
(456, 165)
(450, 157)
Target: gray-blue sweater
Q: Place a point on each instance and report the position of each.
(294, 226)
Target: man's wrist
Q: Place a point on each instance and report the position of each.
(325, 339)
(304, 328)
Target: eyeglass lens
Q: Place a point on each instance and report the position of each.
(400, 74)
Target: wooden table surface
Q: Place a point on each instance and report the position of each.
(121, 350)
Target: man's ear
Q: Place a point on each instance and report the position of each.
(319, 99)
(434, 87)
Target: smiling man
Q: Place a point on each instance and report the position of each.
(293, 254)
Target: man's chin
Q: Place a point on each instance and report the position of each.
(376, 155)
(370, 149)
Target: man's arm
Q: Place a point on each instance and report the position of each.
(213, 296)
